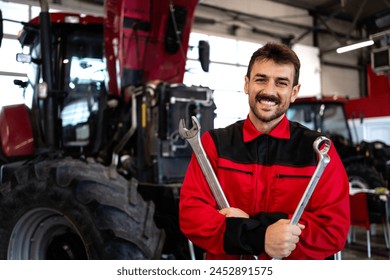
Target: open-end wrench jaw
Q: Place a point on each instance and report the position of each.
(193, 138)
(189, 133)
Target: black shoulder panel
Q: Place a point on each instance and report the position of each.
(266, 150)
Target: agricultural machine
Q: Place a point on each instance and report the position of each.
(367, 163)
(92, 164)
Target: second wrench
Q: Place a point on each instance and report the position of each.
(193, 137)
(323, 161)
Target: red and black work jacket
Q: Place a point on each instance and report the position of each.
(264, 175)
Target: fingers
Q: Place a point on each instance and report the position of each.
(281, 238)
(233, 212)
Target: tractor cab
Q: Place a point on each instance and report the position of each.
(323, 115)
(78, 78)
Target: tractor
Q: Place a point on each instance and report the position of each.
(92, 162)
(367, 163)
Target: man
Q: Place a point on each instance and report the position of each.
(264, 164)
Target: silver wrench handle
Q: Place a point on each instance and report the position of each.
(208, 172)
(324, 159)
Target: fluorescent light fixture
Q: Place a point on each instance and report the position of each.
(355, 46)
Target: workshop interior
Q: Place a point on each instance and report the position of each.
(103, 103)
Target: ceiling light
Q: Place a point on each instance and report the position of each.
(355, 46)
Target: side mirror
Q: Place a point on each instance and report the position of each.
(204, 55)
(20, 83)
(24, 58)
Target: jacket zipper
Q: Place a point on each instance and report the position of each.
(291, 176)
(236, 170)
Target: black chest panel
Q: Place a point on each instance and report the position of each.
(266, 150)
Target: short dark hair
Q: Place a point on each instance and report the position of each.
(280, 54)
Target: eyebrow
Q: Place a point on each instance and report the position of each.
(259, 75)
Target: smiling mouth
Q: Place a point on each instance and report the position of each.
(267, 100)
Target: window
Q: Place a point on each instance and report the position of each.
(10, 69)
(229, 59)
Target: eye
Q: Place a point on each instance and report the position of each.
(260, 80)
(282, 83)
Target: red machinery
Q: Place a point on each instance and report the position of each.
(366, 163)
(92, 169)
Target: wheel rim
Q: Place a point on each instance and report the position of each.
(357, 182)
(44, 233)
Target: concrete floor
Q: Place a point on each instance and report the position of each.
(357, 250)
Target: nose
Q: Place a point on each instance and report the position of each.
(270, 87)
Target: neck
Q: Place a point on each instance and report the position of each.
(264, 126)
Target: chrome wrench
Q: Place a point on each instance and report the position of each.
(323, 161)
(193, 137)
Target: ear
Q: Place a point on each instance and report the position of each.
(294, 93)
(246, 86)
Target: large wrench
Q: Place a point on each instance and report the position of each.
(193, 137)
(323, 161)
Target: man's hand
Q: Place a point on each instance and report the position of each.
(233, 212)
(281, 238)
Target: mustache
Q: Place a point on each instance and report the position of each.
(261, 96)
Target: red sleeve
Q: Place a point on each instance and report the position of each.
(327, 222)
(199, 218)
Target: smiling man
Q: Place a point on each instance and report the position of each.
(264, 164)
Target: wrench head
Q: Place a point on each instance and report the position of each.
(322, 145)
(189, 133)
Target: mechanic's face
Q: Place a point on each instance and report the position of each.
(270, 91)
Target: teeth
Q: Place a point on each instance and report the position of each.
(268, 102)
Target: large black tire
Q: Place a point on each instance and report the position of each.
(364, 176)
(69, 209)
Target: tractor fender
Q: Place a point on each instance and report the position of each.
(16, 131)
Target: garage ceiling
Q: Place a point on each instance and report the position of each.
(372, 15)
(363, 18)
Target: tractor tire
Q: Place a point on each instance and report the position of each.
(364, 176)
(70, 209)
